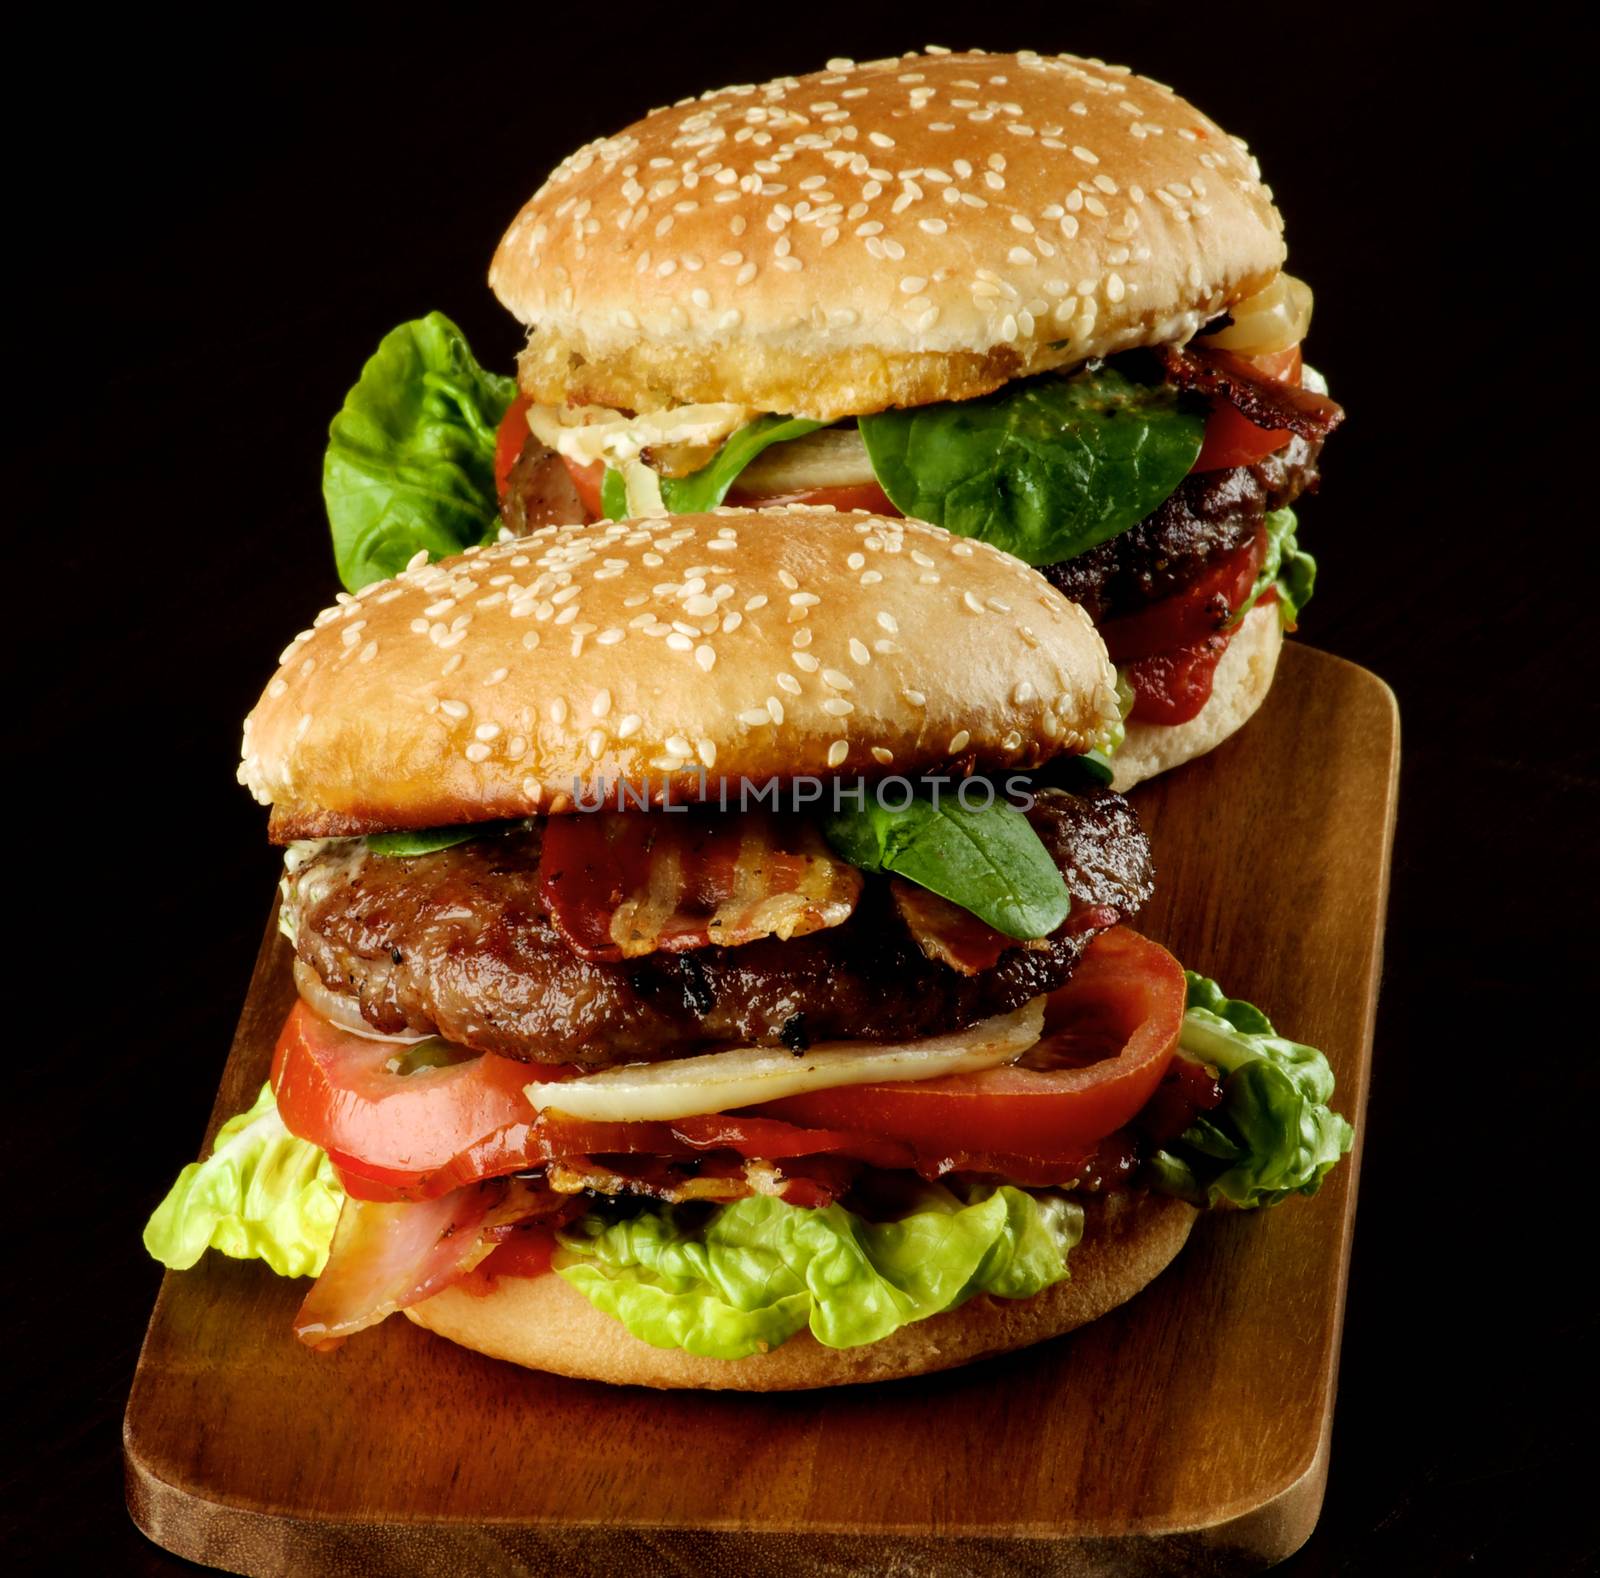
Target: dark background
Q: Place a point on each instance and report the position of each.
(216, 233)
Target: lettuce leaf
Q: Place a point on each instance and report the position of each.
(754, 1272)
(1274, 1134)
(1045, 467)
(1287, 567)
(262, 1194)
(410, 460)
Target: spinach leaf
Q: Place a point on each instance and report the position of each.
(706, 488)
(425, 840)
(410, 461)
(1045, 467)
(989, 861)
(1286, 566)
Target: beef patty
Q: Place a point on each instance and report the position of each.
(459, 943)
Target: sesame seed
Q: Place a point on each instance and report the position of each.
(959, 740)
(837, 752)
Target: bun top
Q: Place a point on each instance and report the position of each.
(670, 656)
(891, 233)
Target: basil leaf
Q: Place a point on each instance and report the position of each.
(706, 488)
(410, 460)
(1287, 567)
(1045, 467)
(989, 861)
(425, 840)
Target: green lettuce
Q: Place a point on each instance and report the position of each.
(706, 488)
(1287, 567)
(1046, 467)
(410, 460)
(754, 1272)
(1274, 1134)
(262, 1194)
(989, 860)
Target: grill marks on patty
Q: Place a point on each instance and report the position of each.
(459, 943)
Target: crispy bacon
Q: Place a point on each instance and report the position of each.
(718, 1176)
(1260, 399)
(620, 885)
(386, 1256)
(954, 936)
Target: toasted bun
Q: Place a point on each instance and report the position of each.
(895, 233)
(546, 1324)
(759, 645)
(1240, 685)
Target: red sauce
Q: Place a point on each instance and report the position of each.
(1173, 686)
(525, 1252)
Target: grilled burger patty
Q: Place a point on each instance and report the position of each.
(458, 942)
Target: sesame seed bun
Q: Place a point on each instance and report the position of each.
(893, 233)
(1239, 686)
(543, 1323)
(751, 644)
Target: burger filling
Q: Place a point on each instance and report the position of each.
(506, 944)
(736, 1075)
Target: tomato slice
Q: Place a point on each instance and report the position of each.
(587, 480)
(1110, 1035)
(1111, 1032)
(1192, 614)
(1233, 440)
(509, 440)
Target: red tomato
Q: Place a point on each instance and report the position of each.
(416, 1136)
(1112, 1032)
(859, 496)
(1192, 614)
(587, 480)
(508, 441)
(1231, 439)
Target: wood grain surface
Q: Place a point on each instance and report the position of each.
(1188, 1430)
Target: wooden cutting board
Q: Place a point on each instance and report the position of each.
(1188, 1430)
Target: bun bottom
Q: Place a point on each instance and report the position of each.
(1240, 685)
(544, 1323)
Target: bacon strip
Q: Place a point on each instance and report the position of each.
(387, 1256)
(954, 936)
(1265, 401)
(620, 885)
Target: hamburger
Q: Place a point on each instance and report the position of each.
(705, 978)
(1037, 300)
